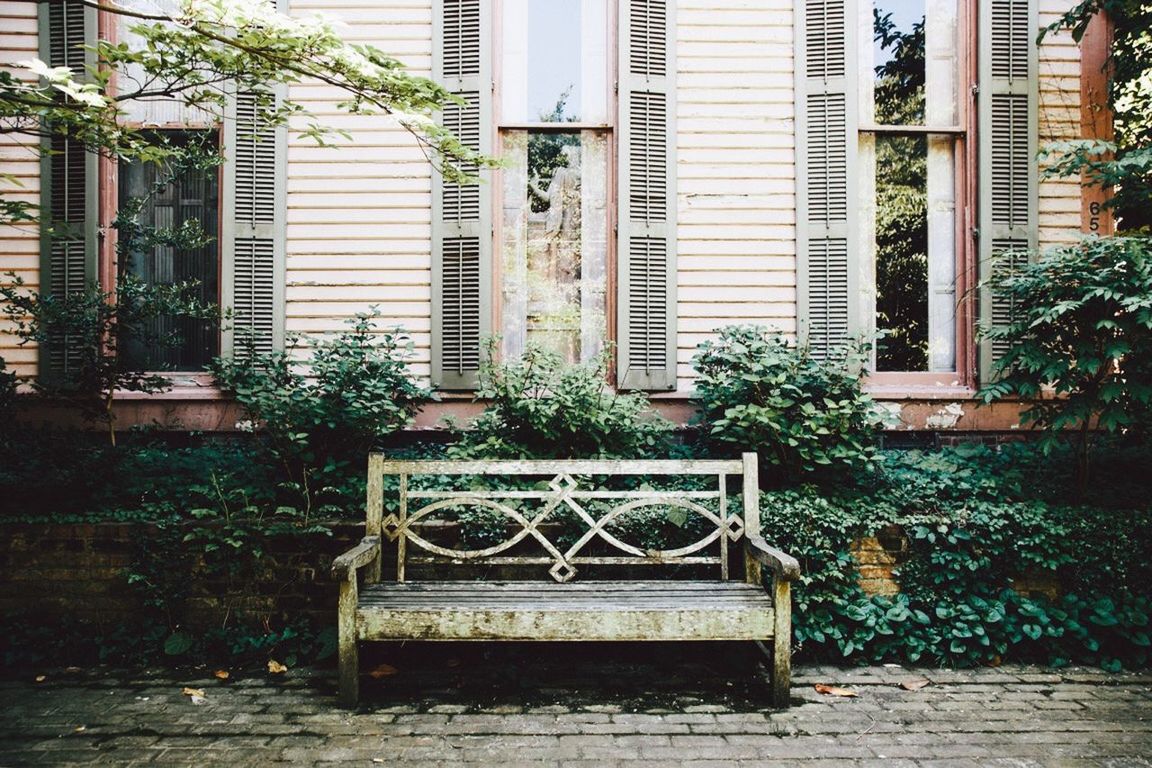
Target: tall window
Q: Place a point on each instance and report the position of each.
(579, 98)
(172, 202)
(908, 156)
(555, 134)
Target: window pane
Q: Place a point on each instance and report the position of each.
(901, 253)
(555, 61)
(554, 242)
(898, 50)
(189, 197)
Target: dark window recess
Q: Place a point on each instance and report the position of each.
(193, 196)
(902, 313)
(901, 253)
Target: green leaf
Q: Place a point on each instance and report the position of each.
(178, 643)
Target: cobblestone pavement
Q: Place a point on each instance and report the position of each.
(1013, 717)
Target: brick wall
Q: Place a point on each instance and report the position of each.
(80, 572)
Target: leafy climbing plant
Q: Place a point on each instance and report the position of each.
(1079, 344)
(539, 406)
(757, 390)
(320, 423)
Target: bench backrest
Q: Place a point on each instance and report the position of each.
(575, 490)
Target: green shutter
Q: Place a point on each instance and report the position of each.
(69, 188)
(462, 213)
(647, 197)
(1008, 207)
(253, 228)
(827, 114)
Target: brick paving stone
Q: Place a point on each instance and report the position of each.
(1011, 717)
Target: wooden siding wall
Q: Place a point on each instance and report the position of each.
(359, 220)
(1060, 201)
(19, 245)
(359, 216)
(737, 170)
(359, 213)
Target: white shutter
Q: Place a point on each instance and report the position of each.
(1008, 208)
(462, 213)
(253, 230)
(647, 197)
(69, 189)
(827, 240)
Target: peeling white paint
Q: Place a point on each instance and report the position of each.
(892, 415)
(945, 418)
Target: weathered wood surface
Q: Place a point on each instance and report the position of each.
(639, 610)
(653, 467)
(570, 498)
(782, 564)
(362, 554)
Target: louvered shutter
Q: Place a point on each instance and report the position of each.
(462, 213)
(68, 181)
(253, 229)
(827, 242)
(1008, 217)
(646, 317)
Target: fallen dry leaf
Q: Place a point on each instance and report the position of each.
(832, 690)
(915, 683)
(41, 678)
(221, 674)
(276, 667)
(196, 695)
(384, 670)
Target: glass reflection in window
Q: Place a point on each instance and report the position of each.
(554, 242)
(901, 253)
(910, 182)
(899, 55)
(171, 202)
(555, 61)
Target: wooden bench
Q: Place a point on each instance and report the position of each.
(567, 517)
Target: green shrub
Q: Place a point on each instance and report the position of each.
(8, 383)
(541, 407)
(1082, 326)
(974, 525)
(319, 423)
(758, 391)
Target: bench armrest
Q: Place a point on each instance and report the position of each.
(346, 565)
(783, 565)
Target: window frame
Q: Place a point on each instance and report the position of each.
(609, 129)
(966, 172)
(272, 233)
(108, 186)
(110, 192)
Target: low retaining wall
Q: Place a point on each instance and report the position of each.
(80, 571)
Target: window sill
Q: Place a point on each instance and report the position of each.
(185, 386)
(920, 392)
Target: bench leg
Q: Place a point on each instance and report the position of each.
(782, 644)
(346, 643)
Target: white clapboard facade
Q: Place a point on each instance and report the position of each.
(730, 154)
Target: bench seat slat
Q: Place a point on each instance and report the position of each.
(541, 611)
(569, 588)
